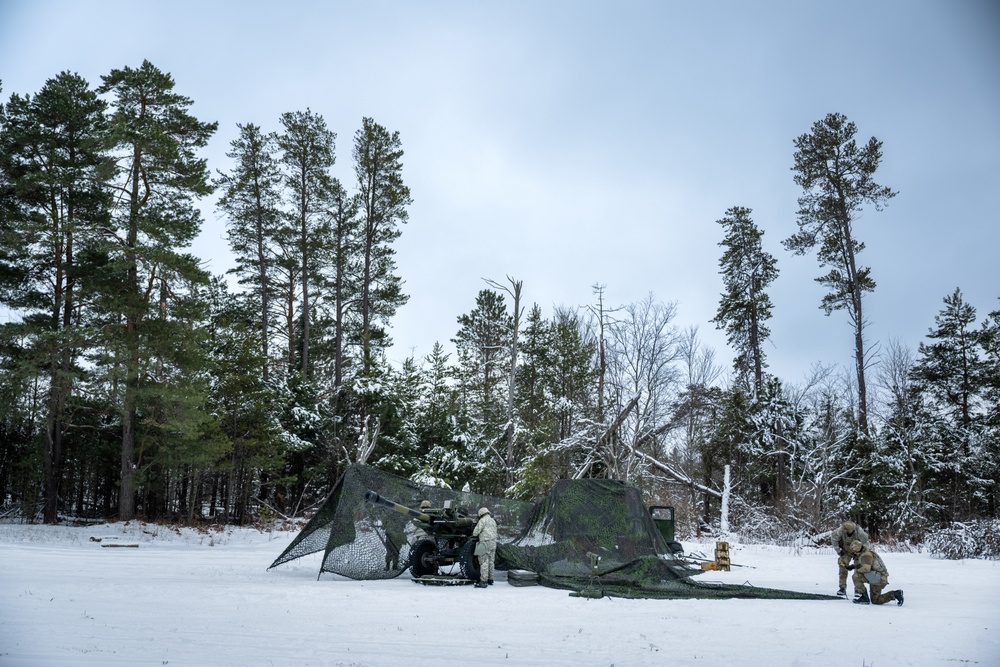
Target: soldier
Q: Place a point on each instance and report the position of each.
(841, 539)
(486, 548)
(415, 533)
(394, 541)
(869, 569)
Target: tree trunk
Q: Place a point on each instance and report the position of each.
(858, 316)
(126, 496)
(52, 461)
(511, 431)
(290, 320)
(59, 368)
(126, 492)
(304, 249)
(859, 359)
(758, 355)
(265, 305)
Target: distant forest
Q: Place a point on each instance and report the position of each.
(135, 385)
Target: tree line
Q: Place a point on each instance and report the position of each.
(136, 384)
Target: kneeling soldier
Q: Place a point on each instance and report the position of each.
(841, 539)
(869, 569)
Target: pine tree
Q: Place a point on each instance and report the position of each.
(989, 338)
(344, 283)
(444, 453)
(308, 154)
(177, 430)
(990, 343)
(534, 380)
(536, 408)
(949, 367)
(483, 347)
(745, 306)
(837, 179)
(573, 371)
(512, 426)
(158, 180)
(398, 447)
(19, 417)
(243, 445)
(384, 198)
(557, 398)
(902, 443)
(251, 199)
(52, 154)
(951, 374)
(732, 442)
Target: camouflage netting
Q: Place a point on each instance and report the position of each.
(553, 538)
(364, 541)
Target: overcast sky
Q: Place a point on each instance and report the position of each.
(568, 144)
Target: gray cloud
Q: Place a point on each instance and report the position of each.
(569, 143)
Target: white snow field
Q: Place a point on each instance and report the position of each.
(184, 598)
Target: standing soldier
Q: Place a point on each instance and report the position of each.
(486, 548)
(872, 571)
(841, 539)
(394, 540)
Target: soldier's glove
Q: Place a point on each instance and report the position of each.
(849, 567)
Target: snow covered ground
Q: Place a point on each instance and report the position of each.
(189, 598)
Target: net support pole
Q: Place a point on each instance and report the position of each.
(724, 520)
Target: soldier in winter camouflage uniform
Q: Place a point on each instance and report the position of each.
(841, 539)
(869, 569)
(486, 549)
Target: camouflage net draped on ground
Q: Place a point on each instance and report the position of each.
(586, 535)
(360, 540)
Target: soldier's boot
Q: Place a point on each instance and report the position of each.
(899, 597)
(490, 582)
(480, 584)
(861, 597)
(842, 593)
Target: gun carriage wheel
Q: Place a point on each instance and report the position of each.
(468, 561)
(423, 559)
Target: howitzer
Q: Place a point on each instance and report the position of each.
(447, 538)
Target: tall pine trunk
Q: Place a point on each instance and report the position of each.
(265, 289)
(59, 366)
(126, 494)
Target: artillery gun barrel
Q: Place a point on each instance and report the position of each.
(376, 499)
